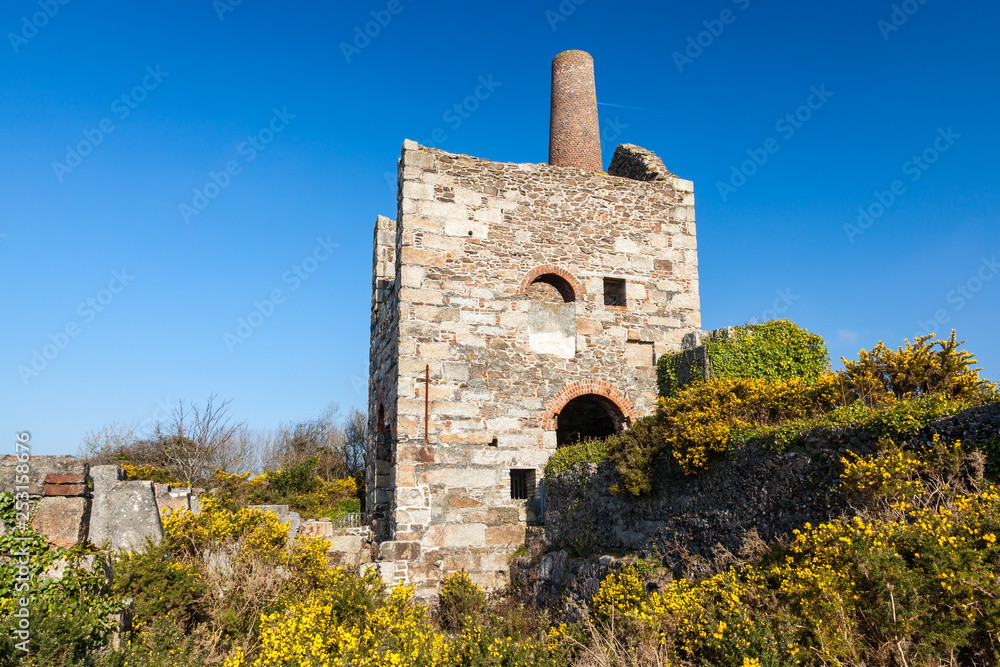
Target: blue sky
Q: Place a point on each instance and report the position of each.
(213, 156)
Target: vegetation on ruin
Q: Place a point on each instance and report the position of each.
(911, 578)
(885, 392)
(772, 350)
(588, 450)
(297, 486)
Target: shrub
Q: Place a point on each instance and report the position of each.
(585, 451)
(147, 471)
(915, 581)
(295, 486)
(71, 615)
(773, 350)
(460, 601)
(162, 588)
(924, 367)
(699, 421)
(881, 392)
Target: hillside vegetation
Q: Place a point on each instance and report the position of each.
(910, 578)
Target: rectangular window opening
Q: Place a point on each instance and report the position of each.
(522, 484)
(614, 292)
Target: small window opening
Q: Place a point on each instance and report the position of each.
(614, 292)
(495, 442)
(522, 484)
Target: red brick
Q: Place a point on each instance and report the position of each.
(65, 489)
(56, 478)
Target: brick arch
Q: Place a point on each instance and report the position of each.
(552, 269)
(598, 387)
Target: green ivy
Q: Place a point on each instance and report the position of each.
(774, 350)
(667, 379)
(70, 616)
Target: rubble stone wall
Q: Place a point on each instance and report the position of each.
(761, 493)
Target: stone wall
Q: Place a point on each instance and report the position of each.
(762, 493)
(639, 164)
(78, 503)
(475, 241)
(383, 375)
(60, 486)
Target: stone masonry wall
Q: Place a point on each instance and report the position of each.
(383, 373)
(75, 504)
(470, 234)
(761, 491)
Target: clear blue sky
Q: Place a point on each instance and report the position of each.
(156, 331)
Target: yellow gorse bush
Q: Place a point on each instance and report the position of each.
(215, 528)
(147, 471)
(699, 420)
(712, 615)
(928, 577)
(349, 623)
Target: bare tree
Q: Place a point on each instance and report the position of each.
(197, 440)
(105, 444)
(334, 444)
(355, 441)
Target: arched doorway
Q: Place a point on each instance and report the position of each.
(588, 416)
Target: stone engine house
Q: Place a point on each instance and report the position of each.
(515, 309)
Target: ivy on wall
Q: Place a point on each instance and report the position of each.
(774, 350)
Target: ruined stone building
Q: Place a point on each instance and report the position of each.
(515, 308)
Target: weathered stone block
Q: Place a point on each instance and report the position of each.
(345, 543)
(124, 514)
(456, 535)
(64, 521)
(315, 529)
(511, 536)
(399, 550)
(469, 478)
(170, 505)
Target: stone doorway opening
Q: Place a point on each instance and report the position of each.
(588, 416)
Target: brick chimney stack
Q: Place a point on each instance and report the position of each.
(574, 133)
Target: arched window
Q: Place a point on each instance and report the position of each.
(552, 284)
(551, 288)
